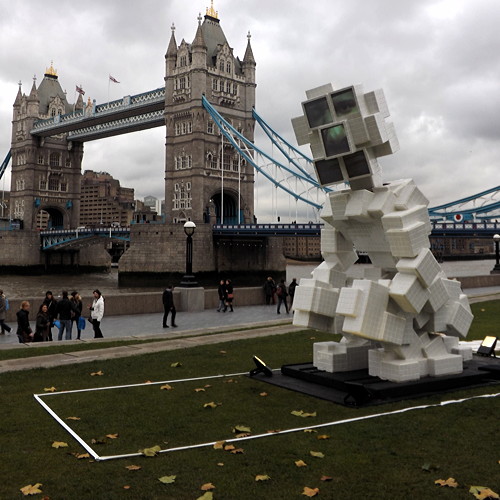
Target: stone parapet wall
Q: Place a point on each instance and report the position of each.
(20, 248)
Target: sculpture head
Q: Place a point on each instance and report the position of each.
(347, 132)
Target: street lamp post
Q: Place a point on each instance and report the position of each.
(496, 239)
(188, 280)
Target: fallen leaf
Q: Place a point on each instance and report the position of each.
(99, 373)
(223, 352)
(263, 394)
(98, 441)
(50, 389)
(207, 386)
(262, 477)
(300, 463)
(220, 464)
(133, 467)
(237, 451)
(167, 387)
(167, 479)
(207, 496)
(242, 435)
(126, 487)
(112, 436)
(176, 364)
(59, 444)
(241, 428)
(303, 414)
(207, 487)
(273, 431)
(429, 467)
(323, 436)
(199, 389)
(449, 482)
(310, 431)
(210, 405)
(229, 447)
(72, 418)
(148, 382)
(316, 454)
(326, 478)
(219, 445)
(483, 492)
(81, 456)
(310, 492)
(150, 452)
(31, 489)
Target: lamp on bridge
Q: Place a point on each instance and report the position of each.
(188, 280)
(496, 269)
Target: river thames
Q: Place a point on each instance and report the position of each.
(17, 286)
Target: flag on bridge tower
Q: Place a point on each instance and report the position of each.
(80, 90)
(114, 80)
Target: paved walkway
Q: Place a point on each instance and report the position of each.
(192, 330)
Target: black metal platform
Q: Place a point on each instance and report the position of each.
(357, 388)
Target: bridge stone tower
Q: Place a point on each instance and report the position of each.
(205, 180)
(45, 171)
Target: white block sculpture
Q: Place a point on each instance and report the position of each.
(402, 322)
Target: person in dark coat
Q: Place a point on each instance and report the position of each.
(282, 295)
(3, 310)
(65, 311)
(77, 307)
(168, 307)
(221, 290)
(24, 332)
(269, 289)
(51, 304)
(42, 324)
(291, 290)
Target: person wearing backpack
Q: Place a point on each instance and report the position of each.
(4, 307)
(282, 295)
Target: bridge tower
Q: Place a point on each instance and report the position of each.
(205, 180)
(45, 185)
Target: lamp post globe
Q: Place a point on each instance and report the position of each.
(496, 269)
(189, 228)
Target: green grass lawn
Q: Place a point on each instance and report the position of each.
(388, 457)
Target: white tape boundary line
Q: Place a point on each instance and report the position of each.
(233, 440)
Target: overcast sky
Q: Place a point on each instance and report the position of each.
(437, 62)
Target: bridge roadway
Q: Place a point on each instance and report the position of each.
(65, 237)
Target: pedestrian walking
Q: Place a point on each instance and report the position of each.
(96, 313)
(282, 295)
(51, 304)
(77, 308)
(24, 331)
(65, 311)
(221, 290)
(269, 289)
(169, 306)
(42, 324)
(3, 312)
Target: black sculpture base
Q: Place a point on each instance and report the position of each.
(357, 388)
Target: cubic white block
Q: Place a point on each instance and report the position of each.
(392, 328)
(424, 266)
(399, 370)
(445, 365)
(383, 260)
(463, 350)
(319, 91)
(349, 303)
(434, 348)
(406, 218)
(330, 273)
(438, 295)
(357, 205)
(408, 195)
(338, 203)
(459, 319)
(407, 291)
(359, 132)
(383, 202)
(376, 129)
(314, 321)
(301, 129)
(407, 242)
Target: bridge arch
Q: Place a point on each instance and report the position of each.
(225, 205)
(50, 217)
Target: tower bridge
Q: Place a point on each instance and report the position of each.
(207, 107)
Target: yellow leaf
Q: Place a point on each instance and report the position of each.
(241, 428)
(126, 487)
(220, 464)
(167, 479)
(449, 482)
(300, 463)
(316, 454)
(80, 456)
(50, 389)
(229, 447)
(207, 487)
(112, 436)
(31, 489)
(303, 414)
(150, 452)
(326, 478)
(323, 436)
(133, 467)
(207, 386)
(99, 373)
(242, 435)
(199, 389)
(483, 492)
(207, 496)
(210, 405)
(59, 444)
(219, 445)
(167, 387)
(148, 382)
(262, 477)
(223, 352)
(72, 418)
(310, 431)
(237, 451)
(263, 394)
(176, 365)
(310, 492)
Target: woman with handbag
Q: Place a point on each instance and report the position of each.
(24, 331)
(229, 296)
(96, 313)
